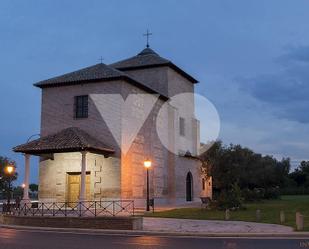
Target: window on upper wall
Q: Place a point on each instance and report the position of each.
(81, 106)
(182, 127)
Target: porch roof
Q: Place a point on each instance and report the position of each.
(68, 140)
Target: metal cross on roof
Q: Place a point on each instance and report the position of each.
(147, 35)
(101, 59)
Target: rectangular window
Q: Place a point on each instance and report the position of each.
(182, 126)
(81, 106)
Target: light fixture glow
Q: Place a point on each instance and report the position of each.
(9, 169)
(147, 163)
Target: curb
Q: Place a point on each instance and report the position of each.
(157, 233)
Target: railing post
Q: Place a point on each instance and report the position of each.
(227, 214)
(299, 221)
(133, 209)
(42, 208)
(95, 209)
(258, 215)
(282, 217)
(65, 209)
(113, 208)
(80, 209)
(53, 208)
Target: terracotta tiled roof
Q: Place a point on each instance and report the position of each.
(93, 73)
(68, 140)
(98, 72)
(148, 58)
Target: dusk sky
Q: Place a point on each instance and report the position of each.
(251, 58)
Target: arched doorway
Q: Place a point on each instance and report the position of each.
(189, 187)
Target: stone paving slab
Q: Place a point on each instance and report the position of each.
(211, 226)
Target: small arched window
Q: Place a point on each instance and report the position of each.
(203, 183)
(189, 187)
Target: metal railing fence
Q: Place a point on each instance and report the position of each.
(74, 209)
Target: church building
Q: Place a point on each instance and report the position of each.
(83, 158)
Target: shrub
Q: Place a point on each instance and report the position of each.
(295, 191)
(258, 194)
(255, 194)
(272, 193)
(230, 199)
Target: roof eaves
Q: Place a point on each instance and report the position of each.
(41, 84)
(168, 64)
(39, 152)
(183, 73)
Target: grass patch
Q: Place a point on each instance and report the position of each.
(270, 211)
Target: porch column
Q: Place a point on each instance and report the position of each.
(82, 195)
(26, 179)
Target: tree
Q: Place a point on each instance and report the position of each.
(254, 174)
(5, 179)
(18, 192)
(33, 187)
(301, 175)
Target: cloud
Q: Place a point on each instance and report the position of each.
(287, 91)
(298, 54)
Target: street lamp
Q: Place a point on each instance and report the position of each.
(9, 170)
(147, 165)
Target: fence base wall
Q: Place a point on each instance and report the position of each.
(114, 223)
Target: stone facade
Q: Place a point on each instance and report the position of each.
(57, 111)
(104, 176)
(123, 174)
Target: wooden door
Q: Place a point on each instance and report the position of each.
(73, 188)
(74, 183)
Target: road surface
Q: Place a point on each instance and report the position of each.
(31, 239)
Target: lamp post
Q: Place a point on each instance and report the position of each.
(9, 170)
(147, 164)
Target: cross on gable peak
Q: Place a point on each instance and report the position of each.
(147, 34)
(101, 59)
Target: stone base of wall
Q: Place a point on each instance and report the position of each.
(114, 223)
